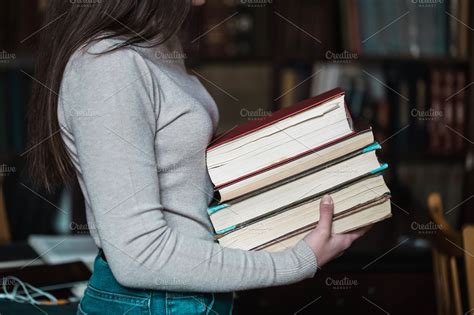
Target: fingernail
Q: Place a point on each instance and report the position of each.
(326, 200)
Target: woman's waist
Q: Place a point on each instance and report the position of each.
(103, 281)
(103, 284)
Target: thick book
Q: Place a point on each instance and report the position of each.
(285, 135)
(311, 159)
(307, 185)
(364, 217)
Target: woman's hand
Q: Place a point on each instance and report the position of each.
(325, 245)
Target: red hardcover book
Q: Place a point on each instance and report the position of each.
(254, 125)
(459, 110)
(356, 42)
(448, 110)
(280, 115)
(436, 101)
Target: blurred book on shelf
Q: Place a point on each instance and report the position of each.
(241, 31)
(294, 84)
(448, 100)
(301, 28)
(245, 101)
(416, 28)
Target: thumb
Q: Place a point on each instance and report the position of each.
(326, 211)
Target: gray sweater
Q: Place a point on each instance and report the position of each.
(136, 126)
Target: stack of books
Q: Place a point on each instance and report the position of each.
(270, 174)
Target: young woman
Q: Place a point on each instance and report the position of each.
(134, 127)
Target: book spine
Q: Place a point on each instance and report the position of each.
(448, 104)
(420, 106)
(368, 8)
(433, 126)
(454, 28)
(459, 110)
(463, 33)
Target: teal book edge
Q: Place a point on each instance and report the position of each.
(226, 230)
(382, 167)
(372, 147)
(214, 209)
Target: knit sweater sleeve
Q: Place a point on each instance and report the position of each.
(109, 108)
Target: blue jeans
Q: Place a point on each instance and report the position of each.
(104, 295)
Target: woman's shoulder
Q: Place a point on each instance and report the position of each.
(104, 54)
(103, 62)
(95, 70)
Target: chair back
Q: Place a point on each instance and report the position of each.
(450, 245)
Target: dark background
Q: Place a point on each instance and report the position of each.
(406, 67)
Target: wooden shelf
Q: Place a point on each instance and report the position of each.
(283, 60)
(380, 59)
(195, 62)
(422, 59)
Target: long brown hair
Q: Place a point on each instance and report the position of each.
(73, 24)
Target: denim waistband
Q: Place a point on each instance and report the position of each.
(104, 295)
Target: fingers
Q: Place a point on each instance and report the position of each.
(341, 242)
(344, 241)
(359, 232)
(326, 212)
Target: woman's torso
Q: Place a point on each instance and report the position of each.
(186, 118)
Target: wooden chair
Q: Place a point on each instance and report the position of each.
(450, 245)
(4, 226)
(468, 240)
